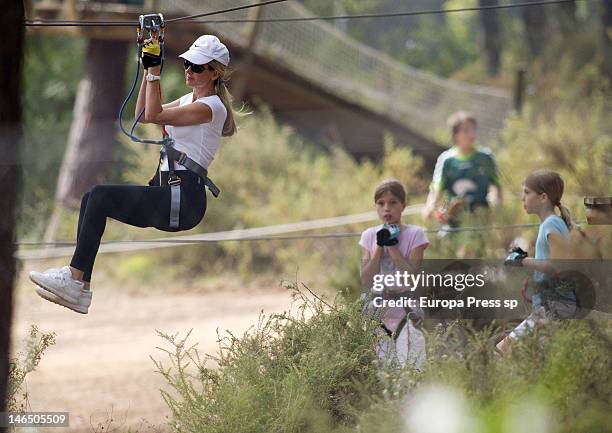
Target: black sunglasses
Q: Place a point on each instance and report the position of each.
(196, 69)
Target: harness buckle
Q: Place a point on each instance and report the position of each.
(174, 181)
(182, 157)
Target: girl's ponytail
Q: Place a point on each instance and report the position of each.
(565, 215)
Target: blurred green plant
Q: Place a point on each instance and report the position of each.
(23, 364)
(316, 371)
(289, 373)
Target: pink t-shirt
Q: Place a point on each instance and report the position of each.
(410, 237)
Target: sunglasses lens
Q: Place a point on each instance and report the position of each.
(194, 68)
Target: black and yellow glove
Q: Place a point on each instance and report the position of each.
(151, 53)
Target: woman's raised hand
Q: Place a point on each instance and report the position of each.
(151, 53)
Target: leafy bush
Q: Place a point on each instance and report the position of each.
(290, 373)
(317, 372)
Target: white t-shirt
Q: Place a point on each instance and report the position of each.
(199, 142)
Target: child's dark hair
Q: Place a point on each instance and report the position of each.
(550, 182)
(393, 186)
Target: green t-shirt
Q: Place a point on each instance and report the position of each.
(466, 176)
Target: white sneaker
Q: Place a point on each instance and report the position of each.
(61, 284)
(82, 307)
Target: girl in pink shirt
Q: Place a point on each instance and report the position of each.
(380, 256)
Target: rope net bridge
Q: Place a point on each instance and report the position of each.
(357, 72)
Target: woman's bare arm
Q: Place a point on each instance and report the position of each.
(140, 102)
(172, 104)
(155, 112)
(190, 114)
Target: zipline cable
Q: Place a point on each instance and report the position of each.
(237, 8)
(191, 18)
(86, 23)
(382, 15)
(196, 240)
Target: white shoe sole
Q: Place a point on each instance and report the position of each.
(52, 297)
(66, 298)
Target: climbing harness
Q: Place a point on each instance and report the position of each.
(152, 27)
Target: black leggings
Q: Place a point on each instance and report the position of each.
(140, 206)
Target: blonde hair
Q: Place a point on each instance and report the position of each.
(229, 127)
(393, 186)
(551, 183)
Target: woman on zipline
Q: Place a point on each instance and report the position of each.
(175, 199)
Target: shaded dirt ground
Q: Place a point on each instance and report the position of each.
(100, 364)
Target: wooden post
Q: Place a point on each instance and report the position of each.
(11, 52)
(536, 26)
(606, 38)
(69, 10)
(519, 89)
(29, 9)
(251, 30)
(489, 21)
(598, 210)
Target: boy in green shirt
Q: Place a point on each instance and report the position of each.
(466, 173)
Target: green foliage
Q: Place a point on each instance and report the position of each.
(564, 127)
(290, 373)
(441, 48)
(438, 43)
(566, 133)
(579, 147)
(317, 372)
(23, 364)
(47, 113)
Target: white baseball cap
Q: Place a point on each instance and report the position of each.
(205, 49)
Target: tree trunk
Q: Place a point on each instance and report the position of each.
(93, 133)
(489, 21)
(607, 14)
(535, 22)
(11, 50)
(606, 38)
(567, 18)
